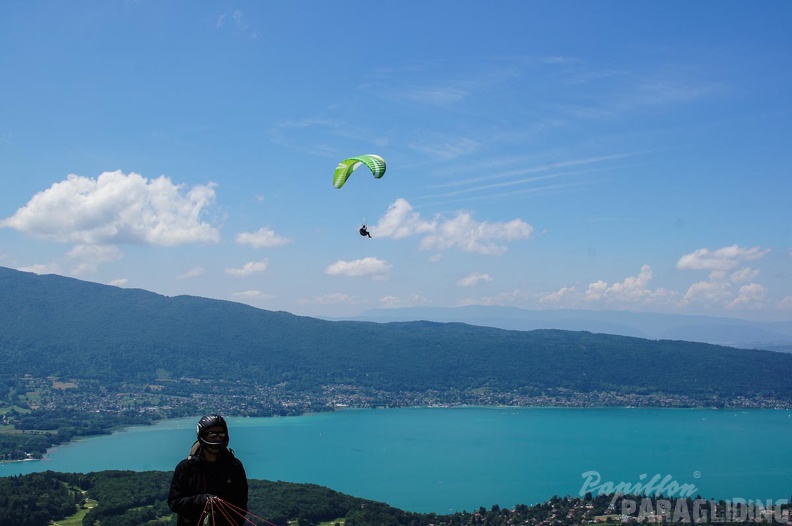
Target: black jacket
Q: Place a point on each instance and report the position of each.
(194, 477)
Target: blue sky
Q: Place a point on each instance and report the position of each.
(542, 155)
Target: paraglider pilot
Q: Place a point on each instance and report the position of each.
(364, 232)
(208, 478)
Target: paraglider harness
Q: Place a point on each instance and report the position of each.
(363, 231)
(217, 507)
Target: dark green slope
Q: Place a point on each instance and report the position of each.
(52, 325)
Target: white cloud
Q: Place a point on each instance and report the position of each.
(39, 268)
(118, 208)
(85, 259)
(722, 259)
(247, 294)
(392, 302)
(400, 221)
(631, 292)
(79, 261)
(633, 288)
(460, 231)
(559, 297)
(370, 266)
(751, 296)
(596, 291)
(192, 273)
(263, 238)
(468, 235)
(709, 292)
(474, 279)
(722, 291)
(785, 303)
(248, 268)
(120, 282)
(726, 271)
(743, 274)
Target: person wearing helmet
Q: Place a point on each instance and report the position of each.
(211, 470)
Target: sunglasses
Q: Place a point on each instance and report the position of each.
(216, 434)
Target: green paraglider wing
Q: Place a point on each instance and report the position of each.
(345, 168)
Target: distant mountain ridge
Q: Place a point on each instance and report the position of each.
(657, 326)
(56, 326)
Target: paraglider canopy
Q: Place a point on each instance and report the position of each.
(345, 168)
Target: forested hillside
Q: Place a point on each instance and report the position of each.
(56, 326)
(125, 498)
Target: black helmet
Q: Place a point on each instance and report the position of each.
(209, 421)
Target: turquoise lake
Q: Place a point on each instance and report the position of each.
(452, 459)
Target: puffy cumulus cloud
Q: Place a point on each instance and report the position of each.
(401, 221)
(262, 238)
(474, 279)
(559, 297)
(709, 293)
(723, 259)
(632, 291)
(118, 208)
(742, 275)
(461, 231)
(366, 267)
(465, 233)
(251, 267)
(596, 290)
(723, 289)
(751, 296)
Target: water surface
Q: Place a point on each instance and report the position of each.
(452, 459)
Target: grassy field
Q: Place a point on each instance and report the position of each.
(77, 518)
(6, 408)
